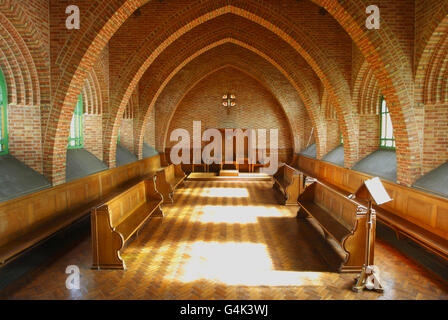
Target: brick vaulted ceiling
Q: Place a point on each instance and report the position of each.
(313, 55)
(235, 28)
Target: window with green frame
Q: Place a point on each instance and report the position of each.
(75, 140)
(118, 139)
(342, 139)
(3, 115)
(387, 139)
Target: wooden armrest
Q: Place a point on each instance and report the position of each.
(152, 193)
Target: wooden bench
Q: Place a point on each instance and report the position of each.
(341, 219)
(168, 179)
(423, 237)
(289, 182)
(428, 228)
(28, 221)
(117, 220)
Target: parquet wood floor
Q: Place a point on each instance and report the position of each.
(225, 240)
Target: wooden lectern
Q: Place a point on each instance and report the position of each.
(371, 191)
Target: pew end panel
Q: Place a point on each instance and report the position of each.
(107, 243)
(152, 193)
(114, 223)
(154, 196)
(289, 182)
(168, 180)
(355, 246)
(164, 187)
(180, 174)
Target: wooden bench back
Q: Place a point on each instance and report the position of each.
(122, 205)
(289, 173)
(20, 216)
(170, 174)
(421, 208)
(342, 208)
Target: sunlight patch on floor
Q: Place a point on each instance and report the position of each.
(224, 192)
(238, 263)
(234, 214)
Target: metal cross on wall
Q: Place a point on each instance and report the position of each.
(228, 100)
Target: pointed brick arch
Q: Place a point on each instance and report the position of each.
(18, 66)
(300, 87)
(382, 50)
(83, 48)
(192, 84)
(432, 71)
(337, 86)
(379, 48)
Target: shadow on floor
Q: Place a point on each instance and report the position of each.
(24, 267)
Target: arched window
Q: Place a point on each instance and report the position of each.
(75, 139)
(387, 139)
(3, 115)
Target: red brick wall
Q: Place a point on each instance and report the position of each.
(150, 134)
(435, 149)
(24, 132)
(256, 107)
(239, 57)
(24, 47)
(127, 134)
(394, 52)
(333, 134)
(309, 138)
(93, 134)
(428, 14)
(368, 134)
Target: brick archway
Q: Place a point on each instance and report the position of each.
(432, 71)
(164, 133)
(18, 66)
(192, 85)
(382, 50)
(300, 88)
(84, 48)
(337, 86)
(374, 46)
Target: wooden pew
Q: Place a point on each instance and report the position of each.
(341, 219)
(31, 219)
(420, 216)
(289, 182)
(117, 220)
(168, 179)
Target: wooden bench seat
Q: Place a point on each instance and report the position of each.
(403, 227)
(340, 218)
(28, 221)
(168, 179)
(47, 227)
(429, 240)
(136, 219)
(40, 232)
(331, 226)
(117, 220)
(428, 228)
(289, 182)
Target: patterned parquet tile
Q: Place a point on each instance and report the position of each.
(225, 240)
